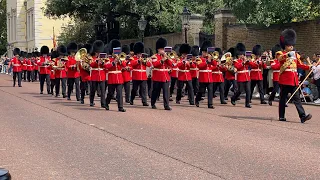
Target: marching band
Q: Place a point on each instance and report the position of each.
(112, 68)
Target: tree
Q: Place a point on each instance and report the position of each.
(3, 27)
(266, 12)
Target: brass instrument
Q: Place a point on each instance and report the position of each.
(120, 57)
(215, 55)
(198, 60)
(289, 62)
(84, 59)
(228, 62)
(172, 55)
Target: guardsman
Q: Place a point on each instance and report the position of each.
(275, 66)
(44, 68)
(29, 67)
(139, 73)
(73, 72)
(194, 71)
(126, 73)
(24, 66)
(85, 73)
(184, 75)
(131, 49)
(149, 75)
(257, 66)
(61, 71)
(54, 56)
(174, 72)
(243, 77)
(160, 74)
(115, 77)
(288, 78)
(35, 56)
(217, 76)
(16, 64)
(205, 75)
(230, 75)
(98, 73)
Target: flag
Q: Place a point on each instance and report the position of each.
(54, 40)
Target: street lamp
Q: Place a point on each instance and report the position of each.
(142, 23)
(185, 16)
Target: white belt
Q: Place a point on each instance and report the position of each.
(25, 64)
(115, 72)
(29, 65)
(60, 68)
(216, 72)
(139, 70)
(257, 70)
(184, 70)
(245, 71)
(16, 65)
(276, 71)
(156, 69)
(175, 69)
(194, 69)
(205, 70)
(97, 69)
(291, 70)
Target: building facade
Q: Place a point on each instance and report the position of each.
(27, 26)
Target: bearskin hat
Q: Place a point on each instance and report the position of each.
(72, 47)
(114, 44)
(126, 49)
(288, 37)
(80, 45)
(161, 43)
(22, 54)
(275, 49)
(205, 45)
(25, 54)
(16, 51)
(98, 46)
(54, 54)
(138, 48)
(88, 48)
(218, 50)
(44, 50)
(131, 46)
(184, 49)
(195, 50)
(257, 50)
(29, 55)
(240, 49)
(62, 50)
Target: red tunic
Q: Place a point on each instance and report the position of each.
(139, 70)
(43, 67)
(275, 66)
(62, 71)
(242, 70)
(35, 65)
(184, 71)
(205, 71)
(29, 65)
(115, 71)
(194, 71)
(174, 70)
(160, 70)
(25, 65)
(217, 70)
(72, 68)
(16, 64)
(85, 75)
(98, 72)
(256, 70)
(290, 75)
(126, 72)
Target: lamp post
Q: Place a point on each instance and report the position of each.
(142, 23)
(185, 16)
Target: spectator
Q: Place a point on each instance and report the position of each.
(301, 72)
(307, 94)
(5, 65)
(316, 77)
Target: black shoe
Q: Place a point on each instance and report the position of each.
(214, 96)
(202, 98)
(223, 102)
(114, 98)
(122, 110)
(131, 102)
(107, 107)
(103, 106)
(197, 104)
(282, 119)
(154, 107)
(177, 102)
(64, 96)
(263, 102)
(145, 104)
(98, 95)
(250, 101)
(82, 101)
(41, 92)
(48, 92)
(248, 106)
(270, 103)
(69, 99)
(211, 107)
(168, 108)
(128, 101)
(20, 86)
(226, 99)
(52, 94)
(92, 104)
(306, 118)
(192, 103)
(238, 99)
(286, 105)
(170, 99)
(233, 102)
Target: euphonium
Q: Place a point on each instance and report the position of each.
(215, 55)
(84, 58)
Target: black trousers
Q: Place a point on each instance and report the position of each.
(195, 85)
(202, 91)
(52, 84)
(149, 82)
(95, 85)
(190, 91)
(156, 89)
(44, 78)
(29, 75)
(227, 86)
(318, 87)
(246, 87)
(284, 91)
(83, 88)
(260, 88)
(142, 86)
(63, 84)
(265, 81)
(172, 84)
(274, 91)
(15, 75)
(126, 86)
(76, 82)
(219, 85)
(35, 75)
(111, 89)
(24, 75)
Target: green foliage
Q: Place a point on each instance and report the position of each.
(268, 12)
(3, 27)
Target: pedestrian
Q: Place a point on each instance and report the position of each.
(316, 77)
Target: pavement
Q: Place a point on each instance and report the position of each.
(43, 137)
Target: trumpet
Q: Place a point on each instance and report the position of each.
(172, 55)
(198, 60)
(120, 58)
